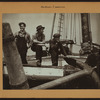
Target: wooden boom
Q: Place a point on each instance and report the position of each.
(17, 78)
(87, 70)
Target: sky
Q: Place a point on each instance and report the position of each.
(32, 21)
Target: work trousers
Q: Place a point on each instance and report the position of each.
(23, 56)
(39, 53)
(55, 53)
(22, 48)
(54, 58)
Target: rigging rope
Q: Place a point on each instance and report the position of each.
(71, 26)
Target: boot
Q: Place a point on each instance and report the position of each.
(38, 63)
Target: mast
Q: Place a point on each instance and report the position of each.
(61, 22)
(85, 27)
(53, 25)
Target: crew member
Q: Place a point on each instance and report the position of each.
(57, 48)
(23, 42)
(39, 39)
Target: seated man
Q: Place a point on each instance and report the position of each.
(57, 48)
(38, 38)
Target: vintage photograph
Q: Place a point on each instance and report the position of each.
(51, 51)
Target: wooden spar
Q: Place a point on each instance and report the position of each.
(17, 78)
(75, 57)
(53, 25)
(61, 80)
(87, 70)
(69, 56)
(40, 78)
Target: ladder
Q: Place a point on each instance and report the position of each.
(61, 22)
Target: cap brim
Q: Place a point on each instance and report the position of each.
(56, 36)
(41, 28)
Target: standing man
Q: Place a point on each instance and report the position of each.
(39, 39)
(57, 48)
(23, 42)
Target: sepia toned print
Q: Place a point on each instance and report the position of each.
(51, 51)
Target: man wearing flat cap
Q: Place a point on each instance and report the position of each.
(38, 39)
(23, 42)
(57, 48)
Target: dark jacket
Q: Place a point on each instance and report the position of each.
(57, 47)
